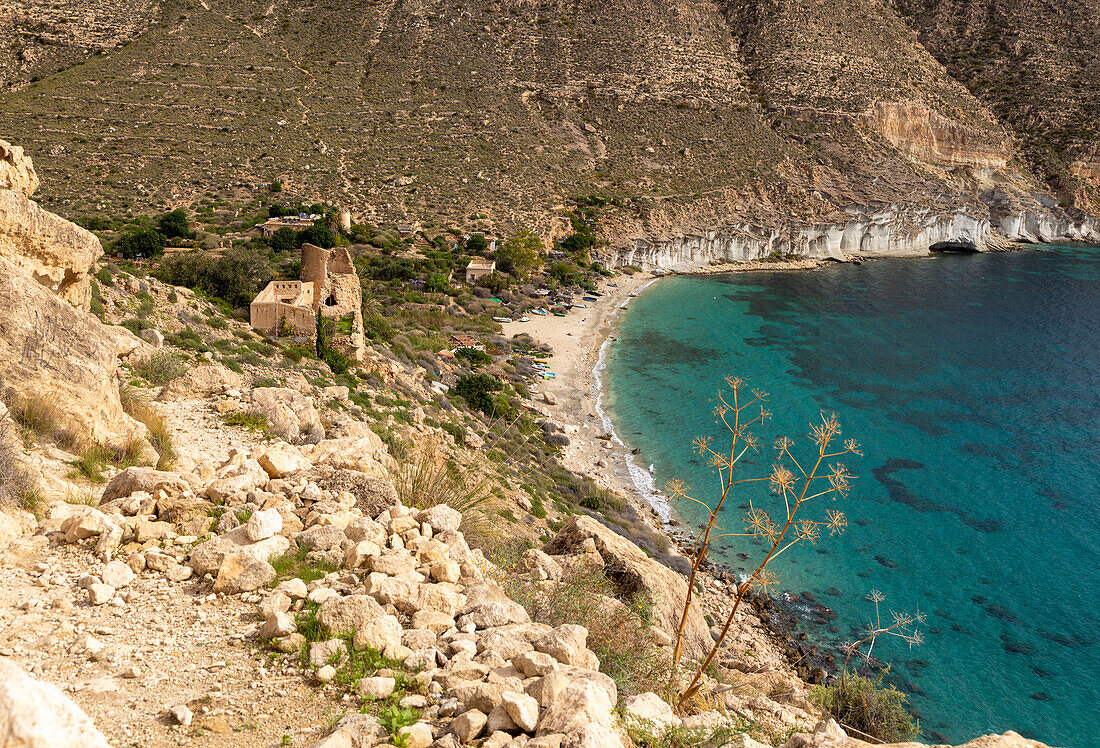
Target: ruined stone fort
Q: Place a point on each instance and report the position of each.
(328, 286)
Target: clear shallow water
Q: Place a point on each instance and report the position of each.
(973, 382)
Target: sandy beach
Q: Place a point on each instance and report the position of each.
(576, 340)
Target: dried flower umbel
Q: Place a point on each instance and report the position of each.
(779, 528)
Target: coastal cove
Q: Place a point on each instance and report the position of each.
(972, 382)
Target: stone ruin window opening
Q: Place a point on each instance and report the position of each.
(331, 300)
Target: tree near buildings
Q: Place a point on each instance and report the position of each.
(142, 242)
(520, 254)
(174, 224)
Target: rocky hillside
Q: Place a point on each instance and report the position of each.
(301, 568)
(1034, 66)
(693, 116)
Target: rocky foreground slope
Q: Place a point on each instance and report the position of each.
(278, 588)
(720, 130)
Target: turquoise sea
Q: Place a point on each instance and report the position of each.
(973, 382)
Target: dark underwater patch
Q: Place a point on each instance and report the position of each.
(1015, 646)
(900, 493)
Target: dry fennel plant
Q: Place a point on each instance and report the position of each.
(797, 484)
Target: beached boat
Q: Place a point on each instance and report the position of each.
(503, 319)
(524, 319)
(589, 298)
(559, 314)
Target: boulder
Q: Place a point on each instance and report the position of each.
(373, 494)
(327, 652)
(635, 572)
(416, 736)
(263, 524)
(354, 731)
(365, 454)
(322, 538)
(523, 710)
(207, 557)
(342, 615)
(278, 624)
(381, 633)
(100, 594)
(48, 346)
(117, 574)
(85, 523)
(441, 517)
(282, 460)
(200, 382)
(376, 688)
(243, 572)
(182, 509)
(651, 710)
(469, 725)
(152, 336)
(55, 253)
(34, 714)
(578, 704)
(290, 414)
(488, 607)
(567, 644)
(135, 479)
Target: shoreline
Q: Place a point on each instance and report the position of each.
(580, 341)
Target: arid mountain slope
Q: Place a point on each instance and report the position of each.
(1035, 65)
(694, 113)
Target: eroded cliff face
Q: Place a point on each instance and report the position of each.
(50, 346)
(896, 231)
(53, 251)
(929, 137)
(41, 37)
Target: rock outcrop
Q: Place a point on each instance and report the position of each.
(34, 714)
(56, 253)
(50, 346)
(635, 573)
(893, 231)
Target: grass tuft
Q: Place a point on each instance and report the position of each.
(865, 704)
(160, 436)
(296, 563)
(162, 367)
(17, 488)
(253, 420)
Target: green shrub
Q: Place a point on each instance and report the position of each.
(146, 305)
(868, 706)
(249, 419)
(218, 323)
(377, 327)
(175, 225)
(103, 275)
(162, 367)
(135, 325)
(141, 242)
(474, 356)
(187, 338)
(477, 390)
(618, 626)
